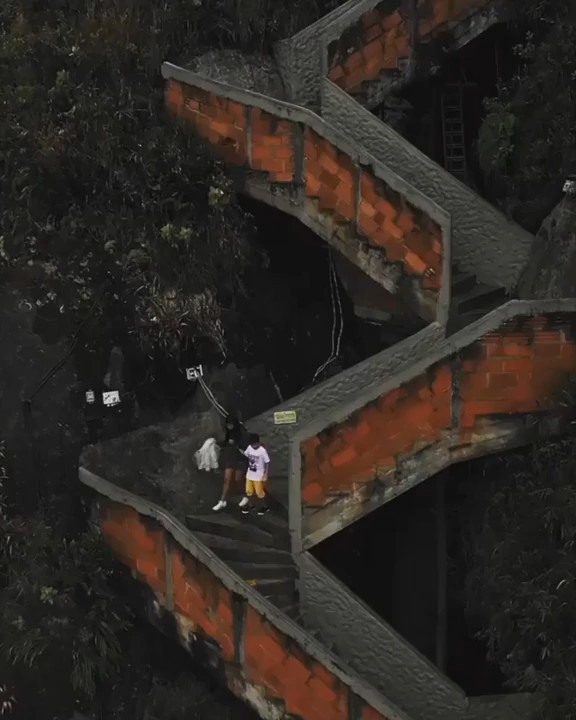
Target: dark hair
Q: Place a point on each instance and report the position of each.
(254, 438)
(232, 420)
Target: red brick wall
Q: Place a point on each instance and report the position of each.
(138, 543)
(203, 601)
(352, 196)
(519, 369)
(384, 217)
(220, 121)
(272, 146)
(308, 689)
(275, 668)
(382, 39)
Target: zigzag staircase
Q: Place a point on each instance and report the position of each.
(482, 376)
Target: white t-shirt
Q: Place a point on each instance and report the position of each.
(257, 461)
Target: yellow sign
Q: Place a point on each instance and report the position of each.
(286, 417)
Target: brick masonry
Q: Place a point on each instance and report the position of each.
(382, 39)
(258, 660)
(451, 412)
(343, 193)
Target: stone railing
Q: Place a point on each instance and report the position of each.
(263, 657)
(373, 46)
(374, 649)
(299, 163)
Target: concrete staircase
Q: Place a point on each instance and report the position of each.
(255, 548)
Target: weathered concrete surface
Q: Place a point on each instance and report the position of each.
(158, 461)
(551, 272)
(373, 648)
(263, 656)
(484, 241)
(251, 72)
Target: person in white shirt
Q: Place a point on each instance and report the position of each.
(256, 475)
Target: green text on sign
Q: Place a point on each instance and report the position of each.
(286, 417)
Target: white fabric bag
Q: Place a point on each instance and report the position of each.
(207, 456)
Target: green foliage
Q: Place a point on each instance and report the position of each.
(91, 171)
(58, 608)
(537, 110)
(60, 617)
(495, 142)
(523, 590)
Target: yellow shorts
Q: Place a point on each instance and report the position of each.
(255, 487)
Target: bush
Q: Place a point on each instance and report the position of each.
(523, 590)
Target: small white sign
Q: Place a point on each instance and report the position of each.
(285, 417)
(193, 373)
(111, 398)
(90, 397)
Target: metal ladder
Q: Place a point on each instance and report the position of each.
(453, 131)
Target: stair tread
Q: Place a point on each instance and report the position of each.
(478, 290)
(223, 542)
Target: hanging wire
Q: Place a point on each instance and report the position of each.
(210, 395)
(337, 319)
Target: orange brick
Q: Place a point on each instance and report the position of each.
(353, 62)
(372, 50)
(313, 494)
(373, 32)
(391, 21)
(405, 221)
(329, 164)
(371, 18)
(344, 456)
(368, 713)
(336, 73)
(549, 351)
(415, 263)
(284, 177)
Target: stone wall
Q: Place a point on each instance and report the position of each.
(373, 648)
(498, 391)
(261, 655)
(392, 234)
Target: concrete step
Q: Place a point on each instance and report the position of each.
(462, 282)
(273, 524)
(263, 571)
(479, 297)
(230, 549)
(235, 527)
(281, 593)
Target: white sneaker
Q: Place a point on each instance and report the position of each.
(220, 505)
(243, 502)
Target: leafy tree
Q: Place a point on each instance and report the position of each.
(523, 588)
(528, 138)
(105, 206)
(62, 624)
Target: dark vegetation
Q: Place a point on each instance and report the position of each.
(109, 212)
